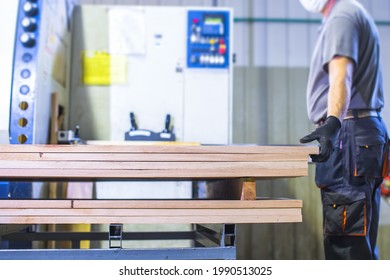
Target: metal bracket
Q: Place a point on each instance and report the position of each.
(115, 236)
(228, 238)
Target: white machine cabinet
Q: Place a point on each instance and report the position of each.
(177, 61)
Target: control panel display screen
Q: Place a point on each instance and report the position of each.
(213, 26)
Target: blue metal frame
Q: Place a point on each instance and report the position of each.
(214, 253)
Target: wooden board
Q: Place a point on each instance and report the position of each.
(266, 203)
(182, 149)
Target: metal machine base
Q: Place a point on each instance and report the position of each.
(211, 241)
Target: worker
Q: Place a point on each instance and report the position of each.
(344, 100)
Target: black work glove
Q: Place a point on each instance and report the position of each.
(325, 135)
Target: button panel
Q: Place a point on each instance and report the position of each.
(208, 39)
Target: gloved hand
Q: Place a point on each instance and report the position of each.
(325, 135)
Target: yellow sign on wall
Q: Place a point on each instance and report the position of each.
(101, 68)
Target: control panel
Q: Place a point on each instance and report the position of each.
(25, 63)
(208, 37)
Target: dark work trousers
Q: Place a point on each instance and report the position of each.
(350, 192)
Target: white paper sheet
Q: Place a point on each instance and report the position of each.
(127, 31)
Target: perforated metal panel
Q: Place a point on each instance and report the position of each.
(41, 51)
(24, 73)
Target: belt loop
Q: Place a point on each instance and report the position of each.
(355, 114)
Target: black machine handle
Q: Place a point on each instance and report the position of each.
(167, 123)
(77, 132)
(133, 122)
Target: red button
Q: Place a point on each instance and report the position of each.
(222, 49)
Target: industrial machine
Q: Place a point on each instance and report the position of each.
(153, 61)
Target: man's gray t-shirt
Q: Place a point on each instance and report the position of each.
(350, 32)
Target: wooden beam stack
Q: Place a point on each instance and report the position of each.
(152, 162)
(242, 164)
(149, 211)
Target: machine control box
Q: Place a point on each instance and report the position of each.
(208, 39)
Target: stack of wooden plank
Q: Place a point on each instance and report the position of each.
(126, 162)
(149, 211)
(152, 162)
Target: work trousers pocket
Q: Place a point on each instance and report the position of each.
(369, 156)
(344, 215)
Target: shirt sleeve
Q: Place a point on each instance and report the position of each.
(341, 39)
